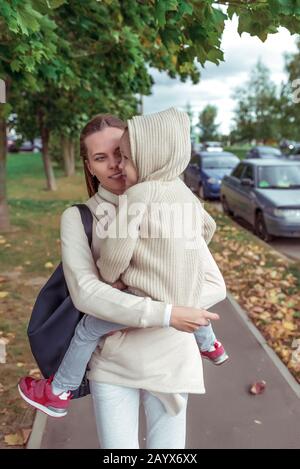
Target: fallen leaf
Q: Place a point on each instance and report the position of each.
(3, 294)
(35, 372)
(258, 387)
(289, 325)
(14, 439)
(48, 265)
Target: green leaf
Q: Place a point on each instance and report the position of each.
(161, 8)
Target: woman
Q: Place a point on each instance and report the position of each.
(118, 375)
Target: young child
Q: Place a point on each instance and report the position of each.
(165, 267)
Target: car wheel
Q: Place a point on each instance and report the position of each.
(201, 192)
(261, 229)
(225, 207)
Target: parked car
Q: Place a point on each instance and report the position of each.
(263, 151)
(196, 148)
(266, 193)
(294, 153)
(212, 146)
(286, 145)
(14, 146)
(205, 172)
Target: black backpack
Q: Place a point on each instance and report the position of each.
(54, 318)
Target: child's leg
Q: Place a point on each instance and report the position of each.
(85, 340)
(210, 347)
(205, 337)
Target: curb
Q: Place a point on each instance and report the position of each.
(36, 435)
(262, 341)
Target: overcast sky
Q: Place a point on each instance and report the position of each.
(217, 83)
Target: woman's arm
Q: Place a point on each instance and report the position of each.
(92, 296)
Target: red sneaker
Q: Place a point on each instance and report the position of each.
(217, 356)
(38, 393)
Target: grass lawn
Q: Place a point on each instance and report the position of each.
(239, 151)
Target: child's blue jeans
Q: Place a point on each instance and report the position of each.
(85, 340)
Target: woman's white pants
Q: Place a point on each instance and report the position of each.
(117, 418)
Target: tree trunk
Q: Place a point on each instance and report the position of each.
(4, 212)
(68, 149)
(50, 177)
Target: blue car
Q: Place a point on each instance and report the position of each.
(265, 193)
(206, 171)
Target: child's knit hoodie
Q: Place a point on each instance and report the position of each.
(162, 260)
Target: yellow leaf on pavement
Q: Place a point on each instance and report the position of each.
(14, 439)
(3, 294)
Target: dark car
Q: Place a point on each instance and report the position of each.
(266, 193)
(294, 153)
(206, 170)
(264, 152)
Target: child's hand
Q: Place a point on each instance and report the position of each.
(119, 285)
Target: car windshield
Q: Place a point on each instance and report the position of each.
(279, 177)
(219, 162)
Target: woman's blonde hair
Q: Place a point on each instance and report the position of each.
(96, 124)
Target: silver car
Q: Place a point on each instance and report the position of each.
(266, 193)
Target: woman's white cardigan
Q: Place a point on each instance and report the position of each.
(162, 360)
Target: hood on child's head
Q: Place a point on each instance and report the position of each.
(160, 144)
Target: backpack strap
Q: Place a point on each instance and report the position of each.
(87, 220)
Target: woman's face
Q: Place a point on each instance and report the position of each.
(104, 158)
(126, 165)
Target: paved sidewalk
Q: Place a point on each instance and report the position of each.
(227, 416)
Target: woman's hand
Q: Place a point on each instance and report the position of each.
(189, 319)
(119, 285)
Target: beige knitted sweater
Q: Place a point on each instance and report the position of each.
(170, 269)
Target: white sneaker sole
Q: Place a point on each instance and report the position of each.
(41, 407)
(222, 360)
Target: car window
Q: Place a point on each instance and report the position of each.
(249, 172)
(279, 177)
(238, 171)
